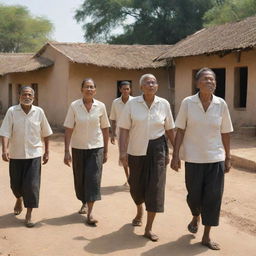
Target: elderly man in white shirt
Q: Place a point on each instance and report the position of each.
(87, 128)
(115, 114)
(202, 138)
(22, 131)
(145, 121)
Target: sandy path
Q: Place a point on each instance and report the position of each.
(61, 231)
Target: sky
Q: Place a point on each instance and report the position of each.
(59, 12)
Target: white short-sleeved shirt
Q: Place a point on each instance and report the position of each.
(202, 141)
(117, 109)
(25, 131)
(86, 125)
(145, 123)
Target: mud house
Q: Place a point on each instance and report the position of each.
(57, 69)
(230, 50)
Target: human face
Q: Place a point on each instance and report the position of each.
(26, 97)
(149, 86)
(206, 83)
(125, 90)
(88, 90)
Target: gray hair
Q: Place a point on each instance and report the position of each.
(145, 76)
(25, 87)
(87, 80)
(203, 70)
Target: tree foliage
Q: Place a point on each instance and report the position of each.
(142, 22)
(20, 32)
(229, 10)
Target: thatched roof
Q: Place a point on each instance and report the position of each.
(220, 40)
(113, 56)
(21, 62)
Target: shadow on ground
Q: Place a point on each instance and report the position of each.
(114, 189)
(180, 247)
(122, 239)
(64, 220)
(11, 221)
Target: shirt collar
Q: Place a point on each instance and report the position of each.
(141, 99)
(18, 107)
(215, 100)
(95, 102)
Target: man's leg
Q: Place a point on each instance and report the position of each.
(15, 172)
(148, 229)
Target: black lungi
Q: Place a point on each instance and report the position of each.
(87, 170)
(25, 178)
(148, 175)
(205, 185)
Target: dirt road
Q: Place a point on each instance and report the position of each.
(60, 231)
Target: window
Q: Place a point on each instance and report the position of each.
(240, 90)
(35, 88)
(118, 94)
(10, 95)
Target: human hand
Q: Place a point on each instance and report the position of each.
(45, 158)
(175, 163)
(123, 158)
(105, 157)
(227, 164)
(5, 156)
(112, 140)
(67, 158)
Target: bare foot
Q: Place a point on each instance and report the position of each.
(151, 236)
(83, 209)
(28, 221)
(18, 206)
(193, 225)
(211, 245)
(91, 221)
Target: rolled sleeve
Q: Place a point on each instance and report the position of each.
(45, 126)
(104, 122)
(181, 120)
(6, 127)
(125, 119)
(226, 125)
(70, 118)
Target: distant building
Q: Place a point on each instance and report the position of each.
(230, 50)
(56, 72)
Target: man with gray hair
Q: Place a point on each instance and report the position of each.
(22, 130)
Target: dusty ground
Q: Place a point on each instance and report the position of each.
(60, 231)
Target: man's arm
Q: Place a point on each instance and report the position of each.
(67, 138)
(105, 132)
(46, 150)
(226, 143)
(113, 131)
(5, 153)
(175, 163)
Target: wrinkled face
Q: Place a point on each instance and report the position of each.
(26, 97)
(149, 86)
(125, 90)
(88, 90)
(206, 83)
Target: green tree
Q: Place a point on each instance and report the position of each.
(142, 22)
(229, 10)
(20, 32)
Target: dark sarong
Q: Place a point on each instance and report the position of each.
(205, 184)
(87, 170)
(25, 178)
(148, 175)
